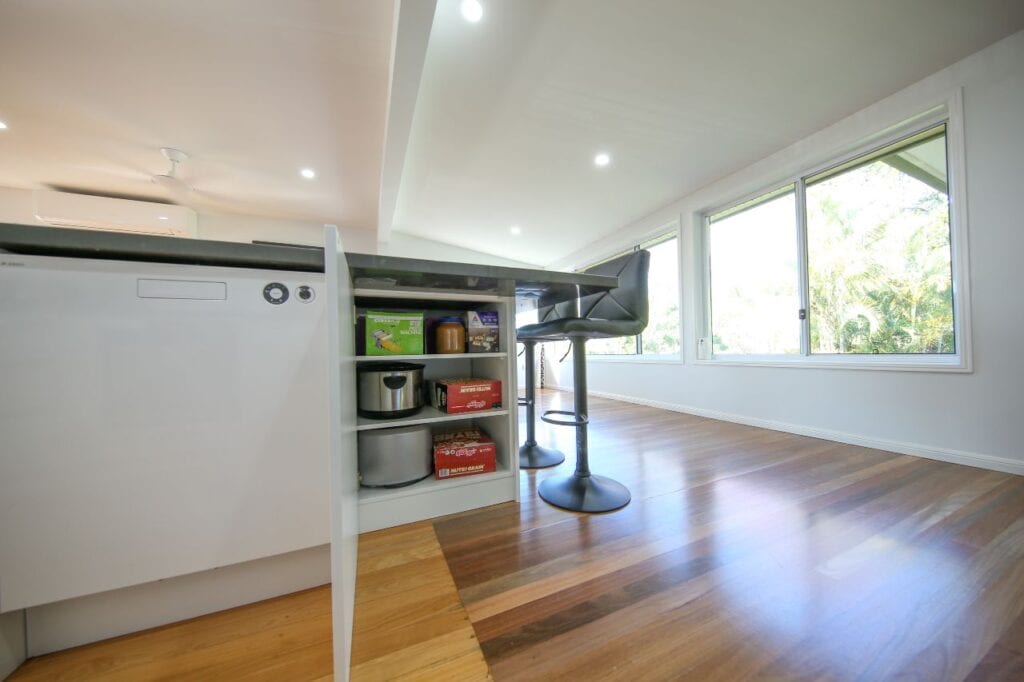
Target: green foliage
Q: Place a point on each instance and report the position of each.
(662, 334)
(879, 264)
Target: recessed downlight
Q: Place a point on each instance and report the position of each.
(308, 173)
(516, 230)
(3, 126)
(602, 159)
(472, 10)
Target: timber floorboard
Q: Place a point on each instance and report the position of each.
(746, 554)
(409, 622)
(285, 638)
(409, 625)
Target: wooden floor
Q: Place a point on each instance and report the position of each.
(745, 554)
(409, 624)
(288, 638)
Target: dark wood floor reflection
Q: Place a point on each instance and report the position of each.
(747, 553)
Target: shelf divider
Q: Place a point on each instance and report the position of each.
(428, 485)
(431, 356)
(426, 415)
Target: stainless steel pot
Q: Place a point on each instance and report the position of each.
(391, 458)
(390, 389)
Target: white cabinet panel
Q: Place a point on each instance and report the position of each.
(344, 468)
(143, 438)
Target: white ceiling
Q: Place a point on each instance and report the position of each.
(253, 90)
(501, 128)
(680, 92)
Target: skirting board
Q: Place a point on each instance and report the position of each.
(64, 624)
(972, 459)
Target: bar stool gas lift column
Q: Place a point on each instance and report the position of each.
(531, 455)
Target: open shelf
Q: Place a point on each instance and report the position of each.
(387, 507)
(429, 485)
(431, 356)
(426, 415)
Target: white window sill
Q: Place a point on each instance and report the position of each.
(892, 363)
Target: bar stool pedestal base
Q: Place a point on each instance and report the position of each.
(584, 493)
(536, 457)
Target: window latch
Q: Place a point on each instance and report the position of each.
(802, 314)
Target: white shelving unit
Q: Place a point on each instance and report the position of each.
(385, 507)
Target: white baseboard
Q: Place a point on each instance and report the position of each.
(973, 459)
(64, 624)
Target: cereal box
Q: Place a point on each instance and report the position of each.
(463, 453)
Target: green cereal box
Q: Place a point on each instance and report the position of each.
(394, 333)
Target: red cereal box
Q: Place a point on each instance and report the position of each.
(455, 396)
(463, 453)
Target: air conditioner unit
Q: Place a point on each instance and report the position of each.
(63, 209)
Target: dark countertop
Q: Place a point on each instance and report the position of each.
(384, 272)
(58, 241)
(367, 271)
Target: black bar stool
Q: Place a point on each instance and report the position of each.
(620, 312)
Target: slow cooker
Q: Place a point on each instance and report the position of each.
(392, 458)
(387, 390)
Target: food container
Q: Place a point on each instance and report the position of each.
(387, 390)
(463, 453)
(394, 333)
(450, 335)
(483, 331)
(392, 458)
(454, 396)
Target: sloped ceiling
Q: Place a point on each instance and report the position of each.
(512, 110)
(253, 90)
(488, 125)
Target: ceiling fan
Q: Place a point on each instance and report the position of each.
(177, 188)
(126, 178)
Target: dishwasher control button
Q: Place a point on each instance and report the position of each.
(305, 293)
(275, 293)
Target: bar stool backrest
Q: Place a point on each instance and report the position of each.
(628, 301)
(557, 311)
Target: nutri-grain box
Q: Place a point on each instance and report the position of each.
(454, 396)
(463, 453)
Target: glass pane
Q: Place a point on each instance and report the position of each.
(754, 297)
(662, 334)
(622, 345)
(879, 266)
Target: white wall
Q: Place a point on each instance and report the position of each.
(16, 207)
(408, 246)
(230, 227)
(973, 418)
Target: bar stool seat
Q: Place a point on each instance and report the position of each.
(623, 311)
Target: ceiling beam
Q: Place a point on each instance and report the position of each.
(413, 21)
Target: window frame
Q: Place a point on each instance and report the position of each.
(950, 113)
(660, 236)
